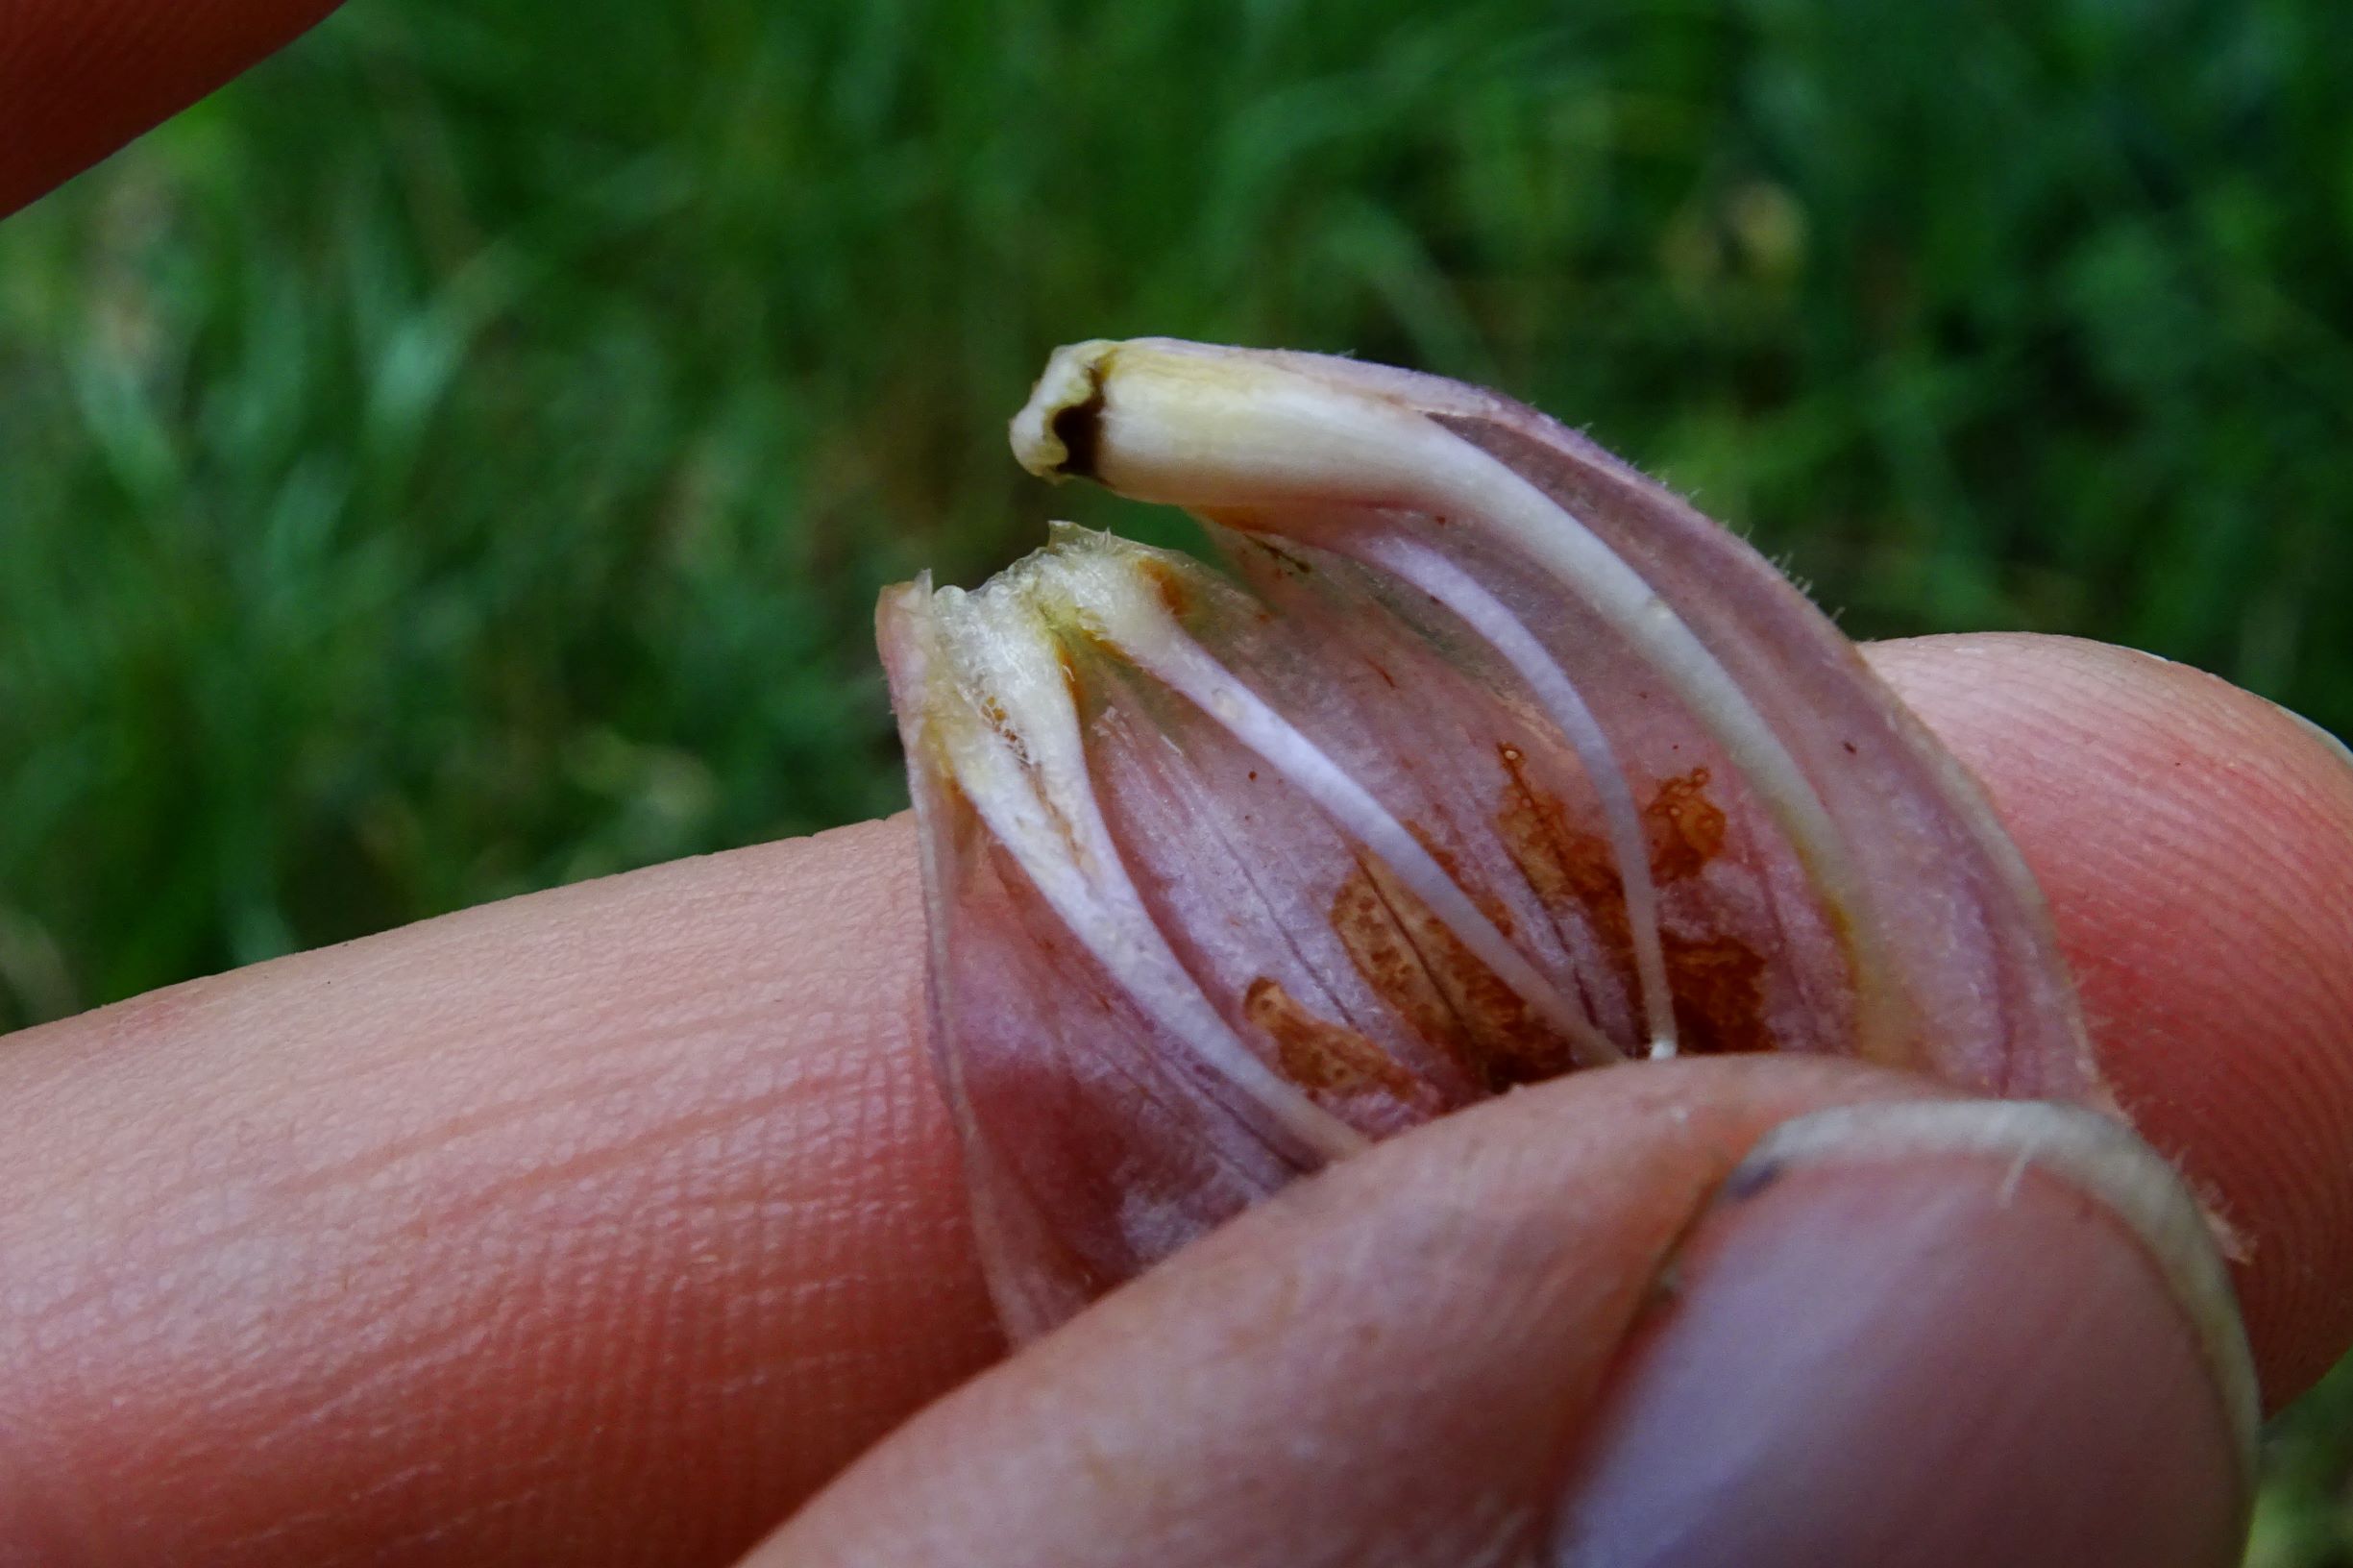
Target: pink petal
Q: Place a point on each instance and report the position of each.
(1490, 760)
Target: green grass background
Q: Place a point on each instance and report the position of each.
(461, 458)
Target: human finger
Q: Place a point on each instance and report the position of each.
(1755, 1311)
(2195, 843)
(79, 78)
(597, 1226)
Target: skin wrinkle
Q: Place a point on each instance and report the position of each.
(737, 1016)
(400, 1351)
(385, 1158)
(671, 1210)
(63, 1514)
(392, 995)
(273, 1431)
(202, 1242)
(598, 1158)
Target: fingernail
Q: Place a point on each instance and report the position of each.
(1927, 1333)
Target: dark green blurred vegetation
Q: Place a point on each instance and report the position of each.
(461, 458)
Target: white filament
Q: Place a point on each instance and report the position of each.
(1135, 622)
(1024, 769)
(1216, 430)
(1425, 568)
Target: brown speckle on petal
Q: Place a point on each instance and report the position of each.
(1418, 965)
(1315, 1053)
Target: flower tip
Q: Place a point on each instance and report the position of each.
(903, 632)
(1056, 434)
(900, 606)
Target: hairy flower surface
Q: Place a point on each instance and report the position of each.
(1484, 759)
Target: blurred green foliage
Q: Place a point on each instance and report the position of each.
(462, 456)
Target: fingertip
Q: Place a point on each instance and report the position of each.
(2195, 843)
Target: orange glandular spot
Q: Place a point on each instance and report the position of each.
(1315, 1053)
(1446, 996)
(1717, 979)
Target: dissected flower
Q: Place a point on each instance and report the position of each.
(1485, 759)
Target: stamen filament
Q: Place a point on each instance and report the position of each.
(1237, 433)
(1149, 636)
(1425, 568)
(1040, 802)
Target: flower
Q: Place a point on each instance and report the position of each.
(1485, 759)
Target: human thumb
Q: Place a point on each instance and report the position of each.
(1754, 1311)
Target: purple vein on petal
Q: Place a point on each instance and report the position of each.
(1148, 636)
(1022, 765)
(1492, 759)
(1425, 568)
(1217, 430)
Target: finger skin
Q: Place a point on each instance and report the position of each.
(598, 1227)
(630, 1207)
(79, 78)
(1388, 1366)
(2196, 847)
